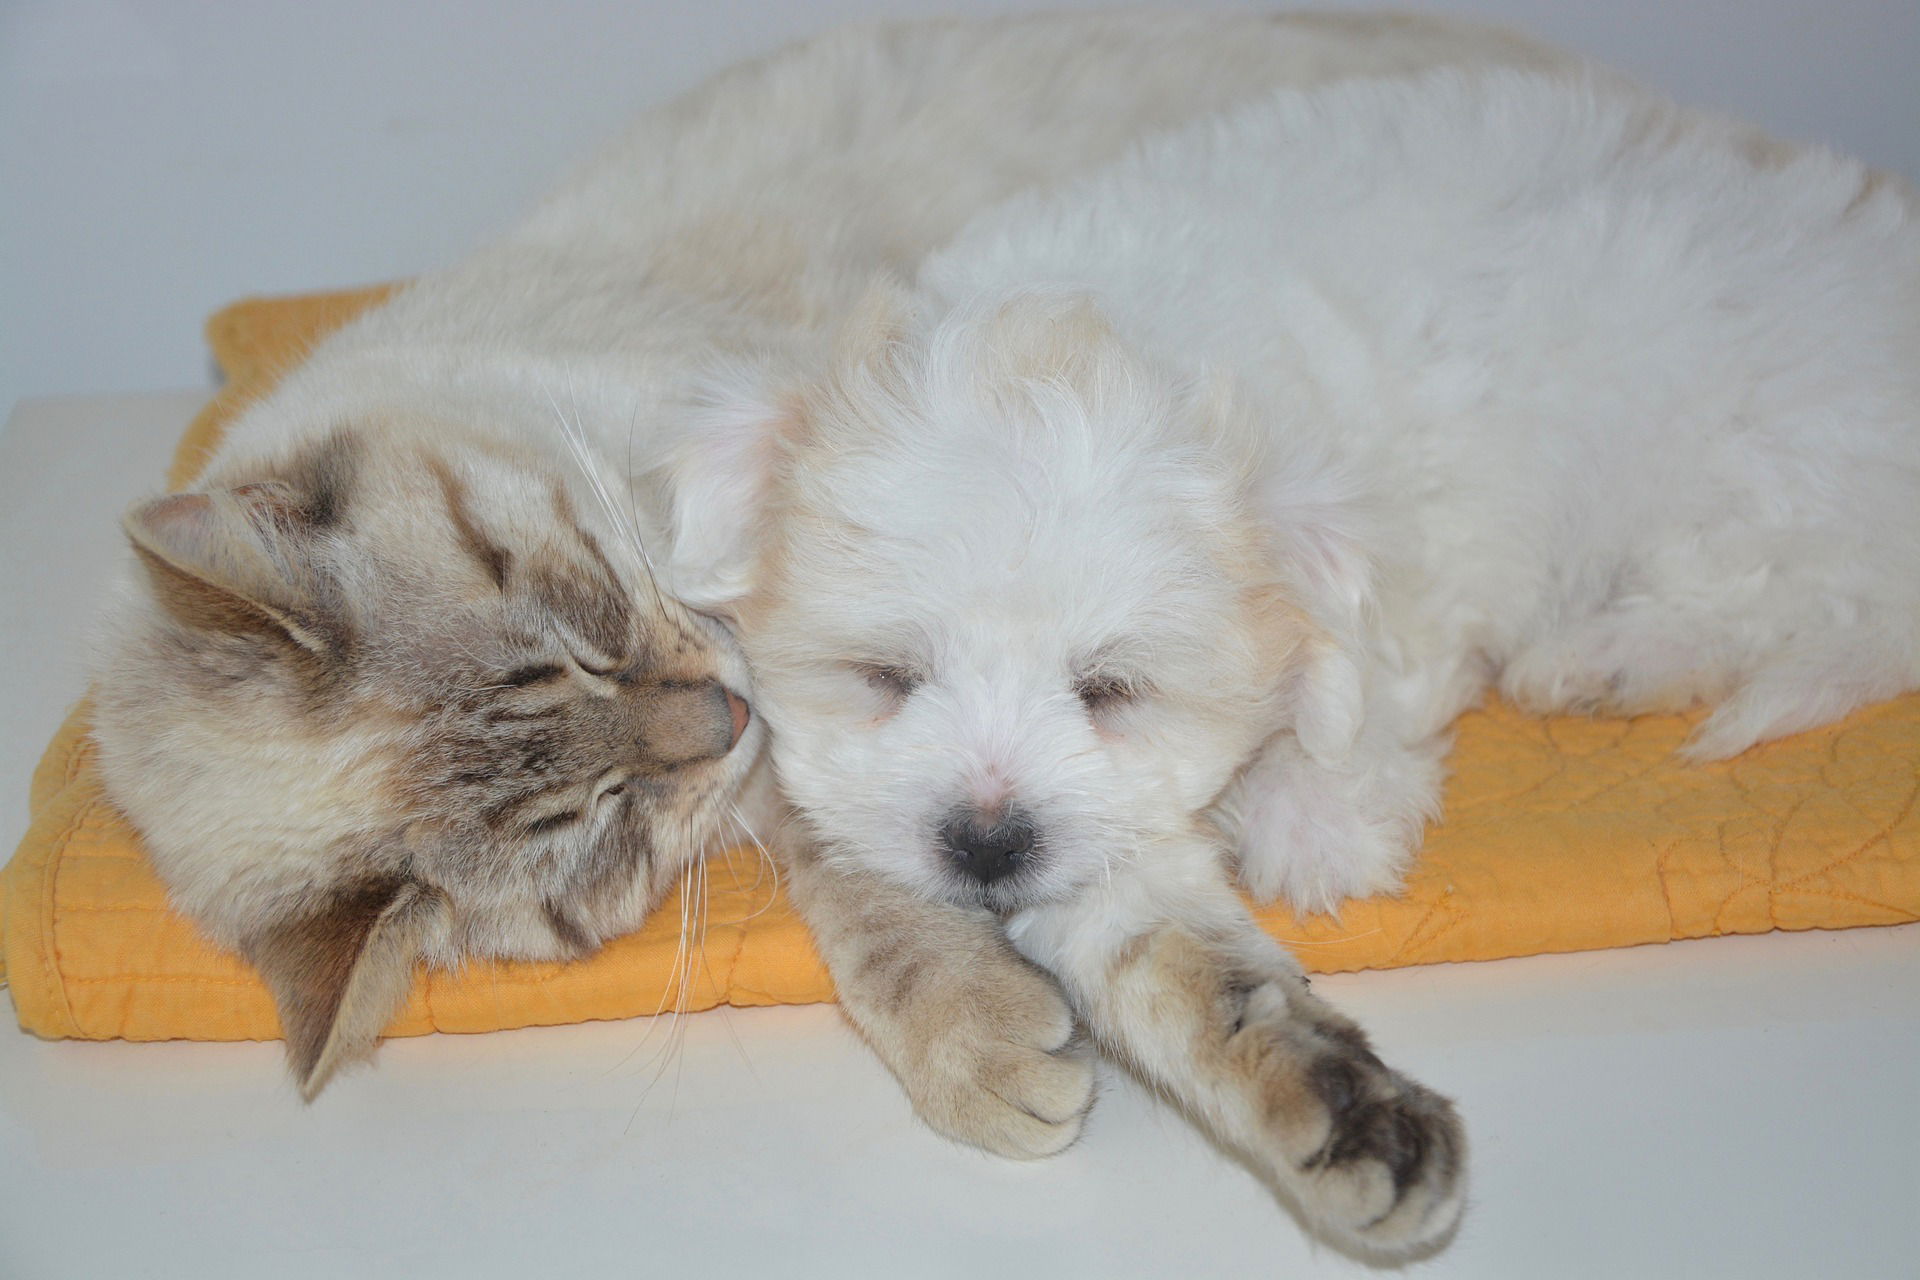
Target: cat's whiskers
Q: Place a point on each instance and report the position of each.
(633, 505)
(768, 864)
(693, 941)
(631, 526)
(675, 987)
(576, 439)
(687, 979)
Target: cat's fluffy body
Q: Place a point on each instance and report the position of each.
(1307, 426)
(320, 647)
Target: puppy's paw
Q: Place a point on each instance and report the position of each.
(1310, 845)
(996, 1061)
(1376, 1161)
(1317, 834)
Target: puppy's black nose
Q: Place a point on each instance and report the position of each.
(988, 849)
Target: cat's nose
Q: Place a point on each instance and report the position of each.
(741, 714)
(988, 848)
(679, 722)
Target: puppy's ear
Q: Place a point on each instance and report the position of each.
(237, 561)
(1056, 336)
(340, 968)
(1329, 702)
(876, 331)
(1322, 531)
(718, 476)
(748, 419)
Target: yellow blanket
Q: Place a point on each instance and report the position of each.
(1560, 835)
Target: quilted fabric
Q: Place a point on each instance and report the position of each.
(1560, 835)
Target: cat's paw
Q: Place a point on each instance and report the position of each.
(998, 1062)
(1375, 1161)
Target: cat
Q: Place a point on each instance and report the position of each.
(434, 660)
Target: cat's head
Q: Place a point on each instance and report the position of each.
(404, 695)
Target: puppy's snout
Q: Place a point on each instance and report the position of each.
(988, 849)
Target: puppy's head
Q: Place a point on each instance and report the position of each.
(1020, 612)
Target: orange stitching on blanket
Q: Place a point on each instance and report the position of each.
(1843, 895)
(1747, 879)
(70, 767)
(741, 930)
(1885, 834)
(199, 979)
(1413, 934)
(423, 982)
(91, 908)
(50, 926)
(1663, 870)
(1453, 922)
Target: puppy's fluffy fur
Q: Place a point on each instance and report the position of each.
(1315, 422)
(1209, 491)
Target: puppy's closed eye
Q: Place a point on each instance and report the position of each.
(1104, 690)
(893, 679)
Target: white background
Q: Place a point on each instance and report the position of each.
(161, 157)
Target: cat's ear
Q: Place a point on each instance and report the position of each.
(341, 968)
(239, 560)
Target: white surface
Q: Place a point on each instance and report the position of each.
(162, 158)
(1740, 1107)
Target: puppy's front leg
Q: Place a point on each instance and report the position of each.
(1316, 834)
(1175, 979)
(983, 1041)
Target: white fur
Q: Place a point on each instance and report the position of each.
(1546, 385)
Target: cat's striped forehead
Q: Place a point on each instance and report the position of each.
(525, 534)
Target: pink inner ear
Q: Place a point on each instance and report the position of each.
(214, 537)
(176, 522)
(193, 531)
(230, 562)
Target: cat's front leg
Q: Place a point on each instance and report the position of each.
(983, 1041)
(1176, 980)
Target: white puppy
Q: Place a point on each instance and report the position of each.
(1304, 428)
